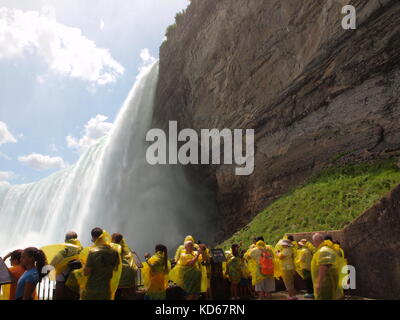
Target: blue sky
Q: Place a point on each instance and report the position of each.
(66, 66)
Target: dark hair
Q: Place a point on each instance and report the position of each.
(235, 251)
(260, 239)
(328, 237)
(337, 242)
(16, 255)
(162, 248)
(71, 235)
(290, 238)
(96, 232)
(39, 259)
(117, 237)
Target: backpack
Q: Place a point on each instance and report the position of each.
(266, 263)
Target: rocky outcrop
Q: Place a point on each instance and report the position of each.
(316, 94)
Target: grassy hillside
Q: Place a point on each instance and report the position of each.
(327, 201)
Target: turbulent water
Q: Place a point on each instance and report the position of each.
(111, 186)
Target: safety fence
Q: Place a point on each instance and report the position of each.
(46, 288)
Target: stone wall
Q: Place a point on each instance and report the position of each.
(372, 245)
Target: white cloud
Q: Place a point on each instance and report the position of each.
(63, 48)
(146, 56)
(95, 129)
(6, 175)
(42, 162)
(102, 24)
(5, 135)
(147, 60)
(5, 156)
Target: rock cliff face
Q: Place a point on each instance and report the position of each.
(317, 95)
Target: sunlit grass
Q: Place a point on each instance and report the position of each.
(328, 201)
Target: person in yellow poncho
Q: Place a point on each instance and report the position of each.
(187, 273)
(61, 263)
(182, 247)
(324, 270)
(303, 266)
(102, 262)
(205, 266)
(341, 263)
(127, 283)
(228, 256)
(234, 271)
(155, 274)
(278, 247)
(286, 262)
(262, 262)
(248, 264)
(245, 287)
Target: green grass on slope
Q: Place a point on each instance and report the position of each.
(327, 201)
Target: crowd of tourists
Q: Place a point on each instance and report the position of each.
(110, 269)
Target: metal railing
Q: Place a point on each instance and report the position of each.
(46, 288)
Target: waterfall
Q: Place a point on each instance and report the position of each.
(111, 186)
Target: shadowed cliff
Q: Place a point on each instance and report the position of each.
(317, 95)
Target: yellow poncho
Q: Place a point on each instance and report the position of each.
(341, 263)
(245, 269)
(253, 262)
(310, 246)
(155, 276)
(205, 270)
(59, 255)
(234, 269)
(185, 276)
(104, 239)
(228, 256)
(325, 255)
(302, 260)
(5, 292)
(129, 268)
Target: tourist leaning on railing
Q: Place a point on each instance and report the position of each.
(33, 260)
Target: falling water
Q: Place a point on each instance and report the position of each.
(111, 186)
